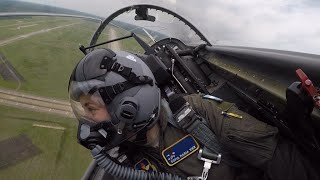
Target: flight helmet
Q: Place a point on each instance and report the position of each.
(121, 83)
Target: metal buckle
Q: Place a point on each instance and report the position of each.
(207, 164)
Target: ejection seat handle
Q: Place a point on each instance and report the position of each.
(308, 86)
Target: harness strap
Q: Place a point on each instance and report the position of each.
(188, 120)
(197, 126)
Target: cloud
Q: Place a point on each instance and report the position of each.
(276, 24)
(272, 24)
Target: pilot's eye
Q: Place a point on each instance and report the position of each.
(92, 110)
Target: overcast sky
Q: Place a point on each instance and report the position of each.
(277, 24)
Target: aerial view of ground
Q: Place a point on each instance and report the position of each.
(45, 57)
(47, 148)
(37, 127)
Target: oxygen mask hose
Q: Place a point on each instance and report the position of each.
(123, 172)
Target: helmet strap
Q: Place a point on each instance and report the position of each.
(111, 64)
(141, 137)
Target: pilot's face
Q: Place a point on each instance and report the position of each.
(94, 108)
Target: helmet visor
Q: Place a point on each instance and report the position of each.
(86, 102)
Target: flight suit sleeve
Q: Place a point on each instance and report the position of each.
(254, 142)
(248, 139)
(288, 163)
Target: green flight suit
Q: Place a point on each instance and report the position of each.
(255, 143)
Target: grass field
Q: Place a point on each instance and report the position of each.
(61, 156)
(47, 60)
(8, 21)
(7, 31)
(129, 44)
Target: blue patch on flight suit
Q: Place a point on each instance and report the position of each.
(145, 165)
(180, 150)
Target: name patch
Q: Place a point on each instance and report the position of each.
(180, 150)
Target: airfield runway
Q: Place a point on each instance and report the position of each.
(114, 45)
(35, 103)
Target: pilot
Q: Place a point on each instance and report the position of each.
(118, 94)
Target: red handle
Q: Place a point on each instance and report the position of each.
(309, 87)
